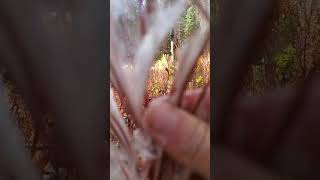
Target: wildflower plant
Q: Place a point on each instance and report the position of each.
(136, 45)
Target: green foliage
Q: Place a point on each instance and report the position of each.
(285, 62)
(161, 62)
(155, 89)
(189, 22)
(199, 81)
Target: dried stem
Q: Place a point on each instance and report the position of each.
(153, 34)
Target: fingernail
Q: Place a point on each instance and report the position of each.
(162, 120)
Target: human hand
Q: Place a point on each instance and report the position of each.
(255, 122)
(184, 136)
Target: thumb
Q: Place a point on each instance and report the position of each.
(185, 137)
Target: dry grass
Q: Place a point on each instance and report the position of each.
(160, 83)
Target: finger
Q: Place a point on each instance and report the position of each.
(184, 137)
(190, 99)
(204, 109)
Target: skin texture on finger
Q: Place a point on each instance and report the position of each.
(185, 137)
(190, 98)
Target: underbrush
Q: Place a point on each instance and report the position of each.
(161, 80)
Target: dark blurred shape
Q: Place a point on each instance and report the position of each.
(268, 136)
(240, 30)
(62, 72)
